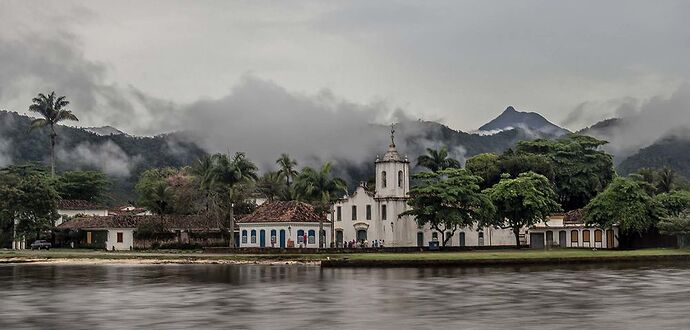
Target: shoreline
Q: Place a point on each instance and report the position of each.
(147, 261)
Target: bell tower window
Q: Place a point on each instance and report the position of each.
(383, 179)
(400, 179)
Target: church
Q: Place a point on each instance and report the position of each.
(366, 216)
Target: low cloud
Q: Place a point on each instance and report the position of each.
(107, 157)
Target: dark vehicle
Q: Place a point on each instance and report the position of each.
(41, 244)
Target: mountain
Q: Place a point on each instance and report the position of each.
(122, 157)
(529, 121)
(104, 130)
(672, 152)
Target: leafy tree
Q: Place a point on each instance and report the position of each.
(53, 110)
(287, 168)
(581, 169)
(678, 225)
(448, 200)
(271, 186)
(626, 204)
(667, 180)
(30, 200)
(154, 192)
(674, 202)
(522, 202)
(487, 166)
(321, 189)
(491, 166)
(84, 185)
(437, 160)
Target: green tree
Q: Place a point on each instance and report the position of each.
(678, 225)
(487, 166)
(30, 200)
(522, 202)
(321, 189)
(626, 204)
(448, 200)
(666, 180)
(271, 186)
(288, 168)
(154, 192)
(437, 160)
(53, 111)
(84, 185)
(581, 169)
(674, 202)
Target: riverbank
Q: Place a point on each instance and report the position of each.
(416, 259)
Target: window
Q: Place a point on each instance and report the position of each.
(585, 236)
(383, 179)
(354, 212)
(480, 239)
(300, 236)
(574, 236)
(273, 236)
(312, 237)
(368, 212)
(597, 236)
(89, 237)
(120, 237)
(434, 236)
(400, 179)
(339, 213)
(253, 236)
(244, 237)
(383, 212)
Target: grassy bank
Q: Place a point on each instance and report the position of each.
(355, 259)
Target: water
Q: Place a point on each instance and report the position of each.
(307, 297)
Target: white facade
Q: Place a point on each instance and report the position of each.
(557, 233)
(86, 212)
(120, 239)
(366, 216)
(281, 234)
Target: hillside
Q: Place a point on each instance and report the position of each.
(531, 121)
(672, 152)
(121, 156)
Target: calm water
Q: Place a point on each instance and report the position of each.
(307, 297)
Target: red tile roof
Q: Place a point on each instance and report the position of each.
(573, 217)
(193, 222)
(280, 211)
(77, 204)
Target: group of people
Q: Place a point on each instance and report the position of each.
(377, 243)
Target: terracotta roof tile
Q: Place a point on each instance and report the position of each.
(280, 211)
(573, 217)
(77, 204)
(193, 222)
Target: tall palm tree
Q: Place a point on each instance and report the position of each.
(271, 186)
(437, 160)
(287, 167)
(53, 111)
(225, 179)
(320, 189)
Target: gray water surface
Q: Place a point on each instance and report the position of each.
(308, 297)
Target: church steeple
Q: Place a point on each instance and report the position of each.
(392, 153)
(392, 172)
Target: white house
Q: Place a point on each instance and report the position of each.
(369, 216)
(68, 208)
(569, 230)
(283, 224)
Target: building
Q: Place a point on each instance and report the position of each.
(283, 224)
(68, 208)
(127, 232)
(569, 230)
(366, 216)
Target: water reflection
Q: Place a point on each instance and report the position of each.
(292, 297)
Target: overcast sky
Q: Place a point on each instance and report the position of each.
(458, 62)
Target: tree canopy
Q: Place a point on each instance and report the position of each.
(522, 202)
(84, 185)
(448, 200)
(437, 160)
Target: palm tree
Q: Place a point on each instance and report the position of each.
(437, 160)
(287, 167)
(271, 186)
(320, 189)
(667, 179)
(53, 111)
(225, 180)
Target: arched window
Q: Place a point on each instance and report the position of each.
(300, 236)
(312, 237)
(253, 236)
(574, 237)
(274, 237)
(383, 179)
(400, 179)
(480, 238)
(244, 237)
(585, 236)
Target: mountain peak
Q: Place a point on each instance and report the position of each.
(531, 121)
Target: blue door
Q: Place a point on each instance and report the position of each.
(262, 238)
(282, 238)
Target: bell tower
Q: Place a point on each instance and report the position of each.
(392, 173)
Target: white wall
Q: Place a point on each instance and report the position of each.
(72, 213)
(127, 240)
(291, 230)
(580, 243)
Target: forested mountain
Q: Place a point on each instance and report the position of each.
(531, 121)
(672, 152)
(122, 157)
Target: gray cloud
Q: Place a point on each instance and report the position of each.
(107, 157)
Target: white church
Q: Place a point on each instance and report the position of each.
(368, 217)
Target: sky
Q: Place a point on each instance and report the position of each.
(149, 66)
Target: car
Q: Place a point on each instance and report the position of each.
(41, 244)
